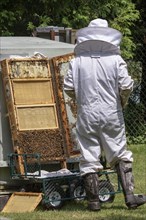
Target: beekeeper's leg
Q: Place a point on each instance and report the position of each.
(124, 171)
(114, 144)
(91, 184)
(89, 165)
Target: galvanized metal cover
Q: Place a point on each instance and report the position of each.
(26, 46)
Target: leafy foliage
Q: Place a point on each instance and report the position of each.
(19, 18)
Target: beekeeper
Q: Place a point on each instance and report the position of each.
(99, 80)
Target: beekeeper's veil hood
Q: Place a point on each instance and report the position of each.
(97, 37)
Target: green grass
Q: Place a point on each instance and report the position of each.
(73, 210)
(77, 211)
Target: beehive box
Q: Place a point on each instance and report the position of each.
(36, 107)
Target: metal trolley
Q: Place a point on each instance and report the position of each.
(60, 187)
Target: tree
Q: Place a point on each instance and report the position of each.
(19, 17)
(141, 48)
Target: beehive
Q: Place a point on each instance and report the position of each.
(36, 106)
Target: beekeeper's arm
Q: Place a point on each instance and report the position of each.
(125, 82)
(68, 83)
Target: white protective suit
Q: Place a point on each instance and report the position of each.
(99, 77)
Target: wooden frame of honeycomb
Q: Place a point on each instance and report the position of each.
(36, 107)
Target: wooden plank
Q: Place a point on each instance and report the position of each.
(32, 79)
(20, 162)
(22, 202)
(8, 96)
(63, 164)
(31, 106)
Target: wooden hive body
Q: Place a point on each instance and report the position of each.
(36, 107)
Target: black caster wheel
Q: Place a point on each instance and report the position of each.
(54, 199)
(79, 192)
(106, 191)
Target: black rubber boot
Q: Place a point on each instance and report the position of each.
(91, 184)
(124, 171)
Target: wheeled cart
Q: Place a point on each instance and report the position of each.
(56, 190)
(62, 185)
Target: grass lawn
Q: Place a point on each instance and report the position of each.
(110, 211)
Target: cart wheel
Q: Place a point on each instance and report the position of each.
(55, 199)
(106, 191)
(79, 192)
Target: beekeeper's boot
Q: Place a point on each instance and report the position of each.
(91, 184)
(124, 171)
